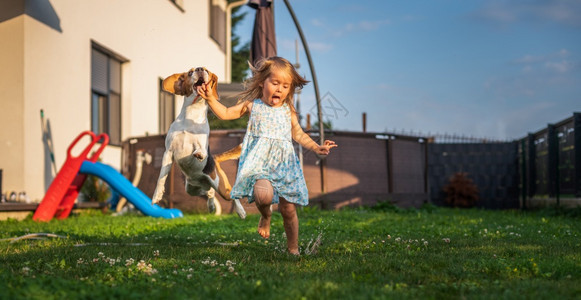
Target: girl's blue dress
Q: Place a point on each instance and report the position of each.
(268, 153)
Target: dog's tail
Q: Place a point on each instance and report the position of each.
(224, 188)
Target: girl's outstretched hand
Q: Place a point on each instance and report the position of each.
(323, 150)
(204, 92)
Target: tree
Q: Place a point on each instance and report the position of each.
(240, 53)
(240, 56)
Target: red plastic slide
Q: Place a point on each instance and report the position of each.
(64, 189)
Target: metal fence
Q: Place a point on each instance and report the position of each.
(550, 163)
(406, 170)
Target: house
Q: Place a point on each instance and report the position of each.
(94, 65)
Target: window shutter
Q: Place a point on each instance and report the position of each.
(99, 72)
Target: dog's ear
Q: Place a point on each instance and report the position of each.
(169, 84)
(213, 84)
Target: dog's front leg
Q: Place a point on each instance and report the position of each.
(166, 163)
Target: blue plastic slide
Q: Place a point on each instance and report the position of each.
(134, 195)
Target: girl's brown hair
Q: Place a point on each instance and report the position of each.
(262, 70)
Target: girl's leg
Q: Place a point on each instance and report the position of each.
(263, 194)
(291, 225)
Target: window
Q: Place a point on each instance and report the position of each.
(106, 93)
(166, 108)
(218, 23)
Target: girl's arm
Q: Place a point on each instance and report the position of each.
(305, 140)
(219, 109)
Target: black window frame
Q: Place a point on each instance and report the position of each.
(217, 25)
(166, 103)
(106, 93)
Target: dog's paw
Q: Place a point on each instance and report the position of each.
(239, 209)
(211, 205)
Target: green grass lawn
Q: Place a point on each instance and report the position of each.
(363, 254)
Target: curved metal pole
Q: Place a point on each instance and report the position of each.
(315, 83)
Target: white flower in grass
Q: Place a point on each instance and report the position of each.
(80, 261)
(95, 260)
(25, 270)
(129, 262)
(398, 239)
(112, 261)
(231, 269)
(447, 240)
(189, 276)
(156, 253)
(101, 255)
(146, 268)
(425, 243)
(141, 265)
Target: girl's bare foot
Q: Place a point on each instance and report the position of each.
(264, 227)
(294, 252)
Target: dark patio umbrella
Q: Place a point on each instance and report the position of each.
(263, 36)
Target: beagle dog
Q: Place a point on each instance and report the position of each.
(187, 141)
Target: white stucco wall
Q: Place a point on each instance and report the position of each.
(156, 37)
(11, 102)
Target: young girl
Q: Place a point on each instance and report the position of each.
(269, 171)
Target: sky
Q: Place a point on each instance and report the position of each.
(491, 69)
